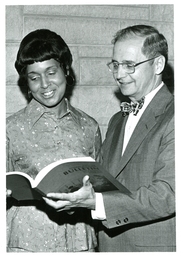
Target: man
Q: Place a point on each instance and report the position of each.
(138, 151)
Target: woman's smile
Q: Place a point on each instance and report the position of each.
(48, 94)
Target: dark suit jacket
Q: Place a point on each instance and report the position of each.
(144, 221)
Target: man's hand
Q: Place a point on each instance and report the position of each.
(84, 197)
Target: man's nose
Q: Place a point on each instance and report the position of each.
(121, 73)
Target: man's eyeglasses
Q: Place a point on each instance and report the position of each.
(129, 67)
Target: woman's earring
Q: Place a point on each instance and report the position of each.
(29, 94)
(70, 80)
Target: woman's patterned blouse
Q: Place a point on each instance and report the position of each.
(36, 138)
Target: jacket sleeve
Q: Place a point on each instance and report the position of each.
(153, 202)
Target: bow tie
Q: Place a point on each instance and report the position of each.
(127, 108)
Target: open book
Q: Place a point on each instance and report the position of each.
(62, 176)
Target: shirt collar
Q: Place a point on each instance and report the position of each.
(151, 95)
(147, 100)
(73, 111)
(34, 111)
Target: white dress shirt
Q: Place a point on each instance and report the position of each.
(99, 212)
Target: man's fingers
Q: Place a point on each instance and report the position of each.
(86, 181)
(59, 196)
(56, 204)
(70, 196)
(50, 202)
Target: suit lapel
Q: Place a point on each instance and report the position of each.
(142, 129)
(145, 124)
(117, 144)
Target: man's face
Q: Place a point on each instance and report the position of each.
(143, 80)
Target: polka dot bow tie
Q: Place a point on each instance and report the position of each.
(127, 108)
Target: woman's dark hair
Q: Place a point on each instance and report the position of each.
(154, 42)
(41, 45)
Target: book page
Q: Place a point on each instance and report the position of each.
(68, 177)
(49, 167)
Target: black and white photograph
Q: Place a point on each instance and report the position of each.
(90, 81)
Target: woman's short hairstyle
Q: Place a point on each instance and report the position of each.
(154, 42)
(41, 45)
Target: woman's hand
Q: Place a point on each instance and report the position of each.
(84, 197)
(8, 192)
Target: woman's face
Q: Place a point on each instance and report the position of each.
(47, 82)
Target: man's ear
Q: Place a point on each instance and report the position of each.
(159, 65)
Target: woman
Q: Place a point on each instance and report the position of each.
(46, 130)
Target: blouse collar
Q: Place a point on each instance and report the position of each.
(34, 111)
